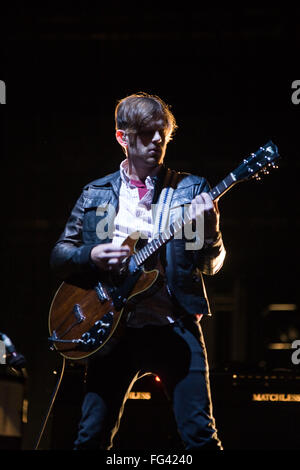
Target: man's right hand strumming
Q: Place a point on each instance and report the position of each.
(109, 256)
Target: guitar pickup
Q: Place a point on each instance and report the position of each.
(101, 294)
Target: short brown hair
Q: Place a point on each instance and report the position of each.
(136, 111)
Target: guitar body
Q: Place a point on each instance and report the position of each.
(83, 321)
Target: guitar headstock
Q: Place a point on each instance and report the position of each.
(257, 163)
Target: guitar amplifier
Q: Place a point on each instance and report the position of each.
(257, 410)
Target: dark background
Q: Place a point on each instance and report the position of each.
(227, 73)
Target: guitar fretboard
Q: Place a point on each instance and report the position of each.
(223, 186)
(144, 253)
(152, 247)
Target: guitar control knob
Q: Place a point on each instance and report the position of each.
(87, 338)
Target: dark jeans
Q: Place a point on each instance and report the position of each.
(176, 353)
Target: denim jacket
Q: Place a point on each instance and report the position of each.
(91, 223)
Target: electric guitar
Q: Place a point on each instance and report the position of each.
(83, 320)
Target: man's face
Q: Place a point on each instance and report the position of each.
(147, 148)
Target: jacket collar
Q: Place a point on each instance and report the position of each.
(115, 179)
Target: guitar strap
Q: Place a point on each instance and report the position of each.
(162, 208)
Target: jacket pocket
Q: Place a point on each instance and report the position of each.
(98, 219)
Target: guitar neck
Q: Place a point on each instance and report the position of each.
(221, 188)
(162, 238)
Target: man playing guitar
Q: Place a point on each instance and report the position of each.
(162, 325)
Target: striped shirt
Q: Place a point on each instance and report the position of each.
(135, 214)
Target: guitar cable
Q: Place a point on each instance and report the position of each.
(52, 400)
